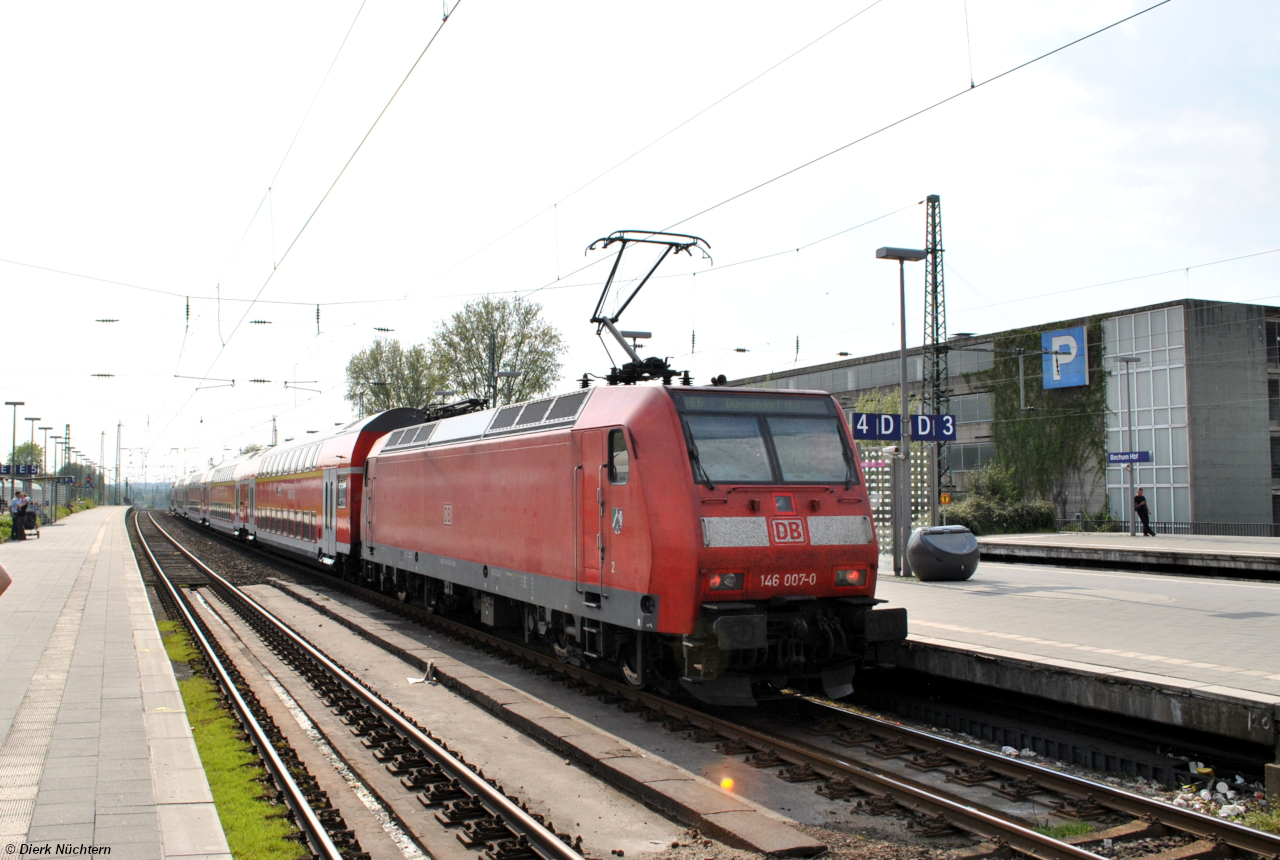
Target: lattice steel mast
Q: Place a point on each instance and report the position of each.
(937, 381)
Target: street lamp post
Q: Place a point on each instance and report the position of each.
(902, 498)
(44, 451)
(56, 444)
(13, 456)
(32, 450)
(1129, 369)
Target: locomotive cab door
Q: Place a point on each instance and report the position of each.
(328, 529)
(591, 482)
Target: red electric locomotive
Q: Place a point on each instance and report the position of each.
(716, 538)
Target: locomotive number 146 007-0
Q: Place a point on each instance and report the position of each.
(773, 580)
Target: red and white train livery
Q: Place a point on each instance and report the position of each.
(715, 538)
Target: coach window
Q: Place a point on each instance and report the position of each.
(342, 491)
(619, 460)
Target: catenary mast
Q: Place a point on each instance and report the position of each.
(937, 381)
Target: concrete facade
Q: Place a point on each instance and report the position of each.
(1227, 374)
(1206, 404)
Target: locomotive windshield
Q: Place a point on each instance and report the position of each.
(762, 439)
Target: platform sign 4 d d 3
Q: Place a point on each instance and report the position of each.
(1065, 357)
(924, 428)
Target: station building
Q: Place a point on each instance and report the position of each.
(1206, 400)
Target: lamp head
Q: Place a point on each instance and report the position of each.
(909, 255)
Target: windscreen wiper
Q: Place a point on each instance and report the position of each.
(694, 458)
(849, 472)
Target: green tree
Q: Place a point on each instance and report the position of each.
(493, 335)
(387, 376)
(26, 452)
(252, 448)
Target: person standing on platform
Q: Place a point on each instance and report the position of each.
(18, 517)
(1140, 505)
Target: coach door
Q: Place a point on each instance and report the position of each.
(592, 479)
(328, 528)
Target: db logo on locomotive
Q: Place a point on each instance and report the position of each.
(787, 530)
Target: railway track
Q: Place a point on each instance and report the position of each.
(481, 813)
(869, 761)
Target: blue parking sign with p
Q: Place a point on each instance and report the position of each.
(1065, 358)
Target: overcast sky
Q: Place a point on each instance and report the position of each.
(140, 141)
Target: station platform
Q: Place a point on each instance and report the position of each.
(1201, 555)
(1195, 652)
(96, 749)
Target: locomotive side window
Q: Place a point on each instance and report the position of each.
(730, 448)
(809, 449)
(619, 459)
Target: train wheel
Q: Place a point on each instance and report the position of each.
(634, 679)
(633, 665)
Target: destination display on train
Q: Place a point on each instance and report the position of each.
(755, 404)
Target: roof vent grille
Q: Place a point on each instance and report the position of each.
(535, 412)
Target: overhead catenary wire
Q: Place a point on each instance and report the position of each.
(341, 172)
(189, 296)
(913, 115)
(554, 206)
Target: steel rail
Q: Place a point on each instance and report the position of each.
(1195, 823)
(540, 838)
(1189, 821)
(315, 831)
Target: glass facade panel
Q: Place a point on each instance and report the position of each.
(1180, 453)
(1182, 503)
(1178, 387)
(1182, 475)
(1141, 332)
(1160, 454)
(1164, 503)
(1125, 345)
(1159, 338)
(1142, 389)
(1176, 354)
(1178, 415)
(1160, 387)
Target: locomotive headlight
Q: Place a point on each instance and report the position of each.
(725, 582)
(851, 577)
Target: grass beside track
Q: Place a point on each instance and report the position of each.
(1269, 820)
(235, 775)
(1066, 831)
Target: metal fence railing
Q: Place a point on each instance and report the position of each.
(1176, 528)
